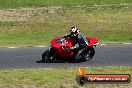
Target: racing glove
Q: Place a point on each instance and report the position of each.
(74, 47)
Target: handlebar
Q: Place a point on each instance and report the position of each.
(65, 48)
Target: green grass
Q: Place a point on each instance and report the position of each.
(57, 77)
(5, 24)
(37, 22)
(65, 3)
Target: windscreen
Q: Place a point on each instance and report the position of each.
(59, 40)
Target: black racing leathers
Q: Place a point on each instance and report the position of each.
(80, 44)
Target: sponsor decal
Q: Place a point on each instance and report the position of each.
(83, 78)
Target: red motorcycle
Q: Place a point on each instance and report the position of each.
(59, 49)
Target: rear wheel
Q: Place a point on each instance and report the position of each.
(49, 56)
(89, 54)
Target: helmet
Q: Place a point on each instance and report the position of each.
(74, 30)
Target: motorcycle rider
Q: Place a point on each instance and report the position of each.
(80, 42)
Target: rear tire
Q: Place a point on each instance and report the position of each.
(49, 56)
(89, 54)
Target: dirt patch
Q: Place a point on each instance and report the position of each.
(14, 15)
(22, 14)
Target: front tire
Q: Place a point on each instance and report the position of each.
(49, 56)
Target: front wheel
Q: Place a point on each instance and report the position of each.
(89, 54)
(48, 56)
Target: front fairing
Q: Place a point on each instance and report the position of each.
(58, 42)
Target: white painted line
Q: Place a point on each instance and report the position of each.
(40, 46)
(12, 47)
(127, 43)
(48, 46)
(102, 44)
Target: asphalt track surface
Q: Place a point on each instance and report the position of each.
(107, 55)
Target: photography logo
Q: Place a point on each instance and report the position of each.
(83, 78)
